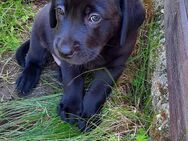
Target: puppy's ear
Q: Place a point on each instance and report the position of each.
(53, 20)
(133, 15)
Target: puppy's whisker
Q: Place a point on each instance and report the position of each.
(111, 45)
(100, 59)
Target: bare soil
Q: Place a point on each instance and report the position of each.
(10, 70)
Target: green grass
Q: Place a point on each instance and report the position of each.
(141, 83)
(125, 117)
(140, 95)
(14, 21)
(36, 119)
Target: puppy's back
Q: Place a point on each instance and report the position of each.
(41, 27)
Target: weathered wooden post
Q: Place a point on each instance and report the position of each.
(176, 24)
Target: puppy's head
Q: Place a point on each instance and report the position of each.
(84, 27)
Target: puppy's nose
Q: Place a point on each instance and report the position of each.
(66, 51)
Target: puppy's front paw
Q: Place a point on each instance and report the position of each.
(27, 80)
(90, 118)
(70, 110)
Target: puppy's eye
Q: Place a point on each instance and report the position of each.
(95, 18)
(61, 10)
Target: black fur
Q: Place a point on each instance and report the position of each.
(21, 53)
(81, 35)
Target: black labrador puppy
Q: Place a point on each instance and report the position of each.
(81, 35)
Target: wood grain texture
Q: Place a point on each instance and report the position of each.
(176, 24)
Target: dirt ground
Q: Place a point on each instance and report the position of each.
(10, 70)
(49, 81)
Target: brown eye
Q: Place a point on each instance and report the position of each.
(61, 10)
(95, 18)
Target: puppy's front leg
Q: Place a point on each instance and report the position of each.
(33, 63)
(70, 107)
(96, 96)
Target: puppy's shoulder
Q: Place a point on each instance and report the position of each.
(41, 27)
(43, 15)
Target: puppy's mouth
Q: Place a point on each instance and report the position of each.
(79, 57)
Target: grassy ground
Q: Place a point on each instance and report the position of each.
(126, 116)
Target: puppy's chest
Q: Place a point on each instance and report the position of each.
(103, 60)
(97, 63)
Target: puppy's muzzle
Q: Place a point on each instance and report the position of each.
(67, 49)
